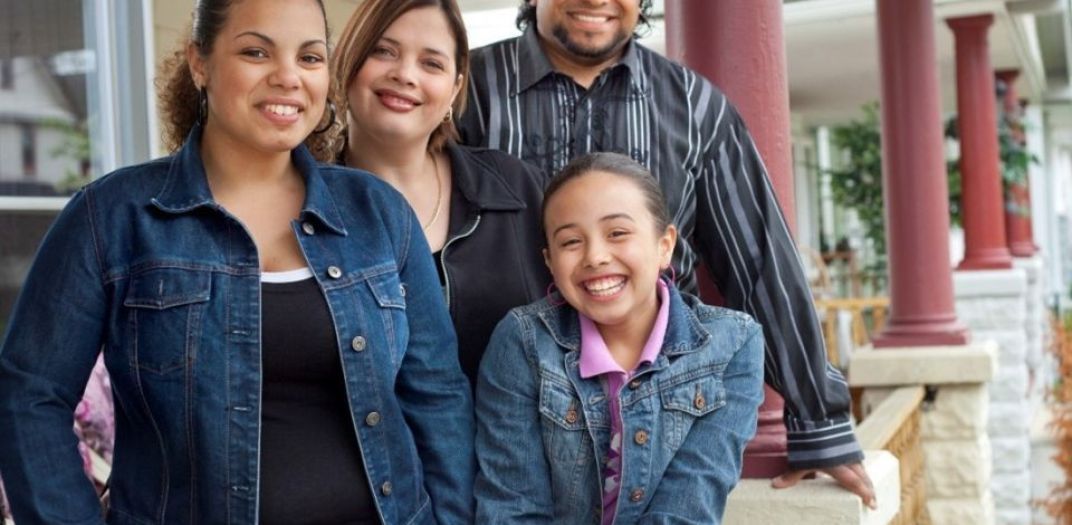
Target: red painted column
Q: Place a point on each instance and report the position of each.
(985, 245)
(739, 46)
(914, 181)
(1018, 227)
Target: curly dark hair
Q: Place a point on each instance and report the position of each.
(178, 97)
(526, 16)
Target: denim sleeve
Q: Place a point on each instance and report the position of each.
(434, 394)
(705, 469)
(754, 262)
(514, 481)
(52, 342)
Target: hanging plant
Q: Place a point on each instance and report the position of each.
(857, 184)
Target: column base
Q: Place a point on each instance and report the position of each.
(993, 259)
(922, 333)
(1023, 249)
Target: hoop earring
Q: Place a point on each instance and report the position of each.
(202, 106)
(450, 114)
(331, 121)
(551, 288)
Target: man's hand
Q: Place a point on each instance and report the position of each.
(851, 477)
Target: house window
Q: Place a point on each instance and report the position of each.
(28, 147)
(7, 74)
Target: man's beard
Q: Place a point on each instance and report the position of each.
(595, 54)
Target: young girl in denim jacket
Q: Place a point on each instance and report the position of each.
(618, 399)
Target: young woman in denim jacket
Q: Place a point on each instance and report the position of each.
(278, 346)
(618, 400)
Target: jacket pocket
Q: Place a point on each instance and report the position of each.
(688, 396)
(164, 307)
(565, 432)
(390, 297)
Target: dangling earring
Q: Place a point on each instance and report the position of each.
(450, 114)
(202, 106)
(551, 289)
(331, 120)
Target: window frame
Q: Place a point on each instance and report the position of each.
(120, 90)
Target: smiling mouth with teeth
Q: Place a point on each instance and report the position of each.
(605, 286)
(281, 109)
(591, 18)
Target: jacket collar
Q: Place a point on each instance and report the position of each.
(684, 332)
(533, 64)
(186, 187)
(480, 183)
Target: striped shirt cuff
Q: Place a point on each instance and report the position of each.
(821, 444)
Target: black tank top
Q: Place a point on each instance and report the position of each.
(311, 467)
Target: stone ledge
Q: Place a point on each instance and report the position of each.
(989, 283)
(820, 501)
(928, 365)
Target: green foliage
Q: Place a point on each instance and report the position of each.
(75, 146)
(857, 184)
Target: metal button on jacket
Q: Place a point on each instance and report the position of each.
(699, 402)
(372, 419)
(308, 228)
(636, 495)
(641, 437)
(386, 488)
(571, 416)
(358, 344)
(334, 272)
(635, 384)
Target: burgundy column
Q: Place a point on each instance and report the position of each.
(1018, 226)
(738, 45)
(914, 181)
(982, 205)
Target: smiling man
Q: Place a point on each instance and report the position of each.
(576, 81)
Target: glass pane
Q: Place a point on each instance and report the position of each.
(44, 107)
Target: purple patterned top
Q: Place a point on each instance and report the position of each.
(597, 361)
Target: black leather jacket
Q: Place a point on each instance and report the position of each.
(492, 260)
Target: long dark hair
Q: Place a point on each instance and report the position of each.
(365, 29)
(178, 97)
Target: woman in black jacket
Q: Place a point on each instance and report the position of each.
(402, 66)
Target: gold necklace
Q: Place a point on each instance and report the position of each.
(439, 195)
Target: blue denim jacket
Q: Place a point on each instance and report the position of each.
(144, 266)
(543, 431)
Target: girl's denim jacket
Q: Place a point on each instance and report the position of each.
(144, 266)
(543, 431)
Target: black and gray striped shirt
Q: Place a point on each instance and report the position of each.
(675, 122)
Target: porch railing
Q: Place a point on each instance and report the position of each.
(867, 314)
(894, 425)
